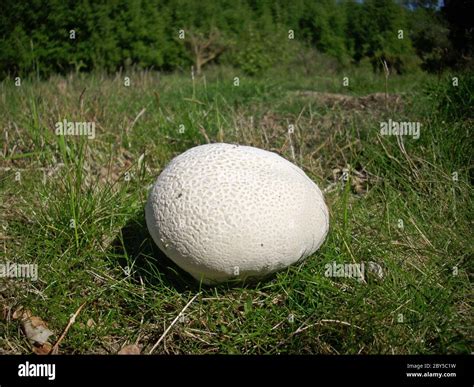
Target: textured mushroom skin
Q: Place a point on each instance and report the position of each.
(223, 212)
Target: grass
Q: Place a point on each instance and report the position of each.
(76, 210)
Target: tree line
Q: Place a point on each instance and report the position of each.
(59, 36)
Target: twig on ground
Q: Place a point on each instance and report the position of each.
(172, 324)
(72, 319)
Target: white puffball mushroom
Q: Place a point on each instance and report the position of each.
(223, 212)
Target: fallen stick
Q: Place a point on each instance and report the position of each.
(72, 319)
(172, 324)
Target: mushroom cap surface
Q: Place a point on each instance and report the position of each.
(223, 212)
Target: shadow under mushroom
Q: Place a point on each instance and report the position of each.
(135, 247)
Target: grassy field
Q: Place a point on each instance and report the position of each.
(75, 207)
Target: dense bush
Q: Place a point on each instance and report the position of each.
(35, 36)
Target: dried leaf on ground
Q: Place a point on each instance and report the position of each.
(130, 349)
(42, 349)
(35, 329)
